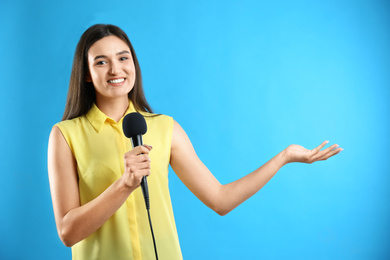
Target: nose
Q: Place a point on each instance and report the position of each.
(115, 68)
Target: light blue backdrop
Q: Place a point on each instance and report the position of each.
(245, 79)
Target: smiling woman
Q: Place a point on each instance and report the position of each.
(94, 174)
(112, 71)
(81, 94)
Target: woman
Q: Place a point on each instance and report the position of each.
(94, 174)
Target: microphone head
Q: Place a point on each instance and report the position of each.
(134, 124)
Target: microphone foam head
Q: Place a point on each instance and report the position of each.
(134, 124)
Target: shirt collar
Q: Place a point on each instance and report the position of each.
(97, 118)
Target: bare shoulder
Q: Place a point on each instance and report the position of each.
(179, 137)
(61, 162)
(55, 134)
(57, 142)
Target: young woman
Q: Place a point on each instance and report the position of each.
(94, 173)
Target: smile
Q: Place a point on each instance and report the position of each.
(115, 81)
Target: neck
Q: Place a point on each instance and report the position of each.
(114, 108)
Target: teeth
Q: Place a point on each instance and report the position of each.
(116, 80)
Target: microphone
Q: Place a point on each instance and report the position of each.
(134, 126)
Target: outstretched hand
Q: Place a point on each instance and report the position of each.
(297, 153)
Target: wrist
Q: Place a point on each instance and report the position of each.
(123, 186)
(284, 157)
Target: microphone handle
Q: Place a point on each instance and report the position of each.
(137, 141)
(145, 191)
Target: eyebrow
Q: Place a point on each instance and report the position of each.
(104, 56)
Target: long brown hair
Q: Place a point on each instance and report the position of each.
(81, 94)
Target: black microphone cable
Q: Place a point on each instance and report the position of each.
(150, 224)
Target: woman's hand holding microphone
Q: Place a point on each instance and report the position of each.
(137, 165)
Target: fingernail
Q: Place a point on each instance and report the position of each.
(327, 141)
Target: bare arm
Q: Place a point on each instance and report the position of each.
(75, 222)
(224, 198)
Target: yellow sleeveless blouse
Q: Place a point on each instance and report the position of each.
(98, 144)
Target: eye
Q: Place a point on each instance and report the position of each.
(123, 58)
(102, 62)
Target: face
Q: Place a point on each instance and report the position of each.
(111, 68)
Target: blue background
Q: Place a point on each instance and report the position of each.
(245, 79)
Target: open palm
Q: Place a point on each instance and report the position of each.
(297, 153)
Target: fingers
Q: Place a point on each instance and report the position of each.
(145, 149)
(137, 165)
(138, 154)
(317, 149)
(134, 165)
(335, 150)
(327, 153)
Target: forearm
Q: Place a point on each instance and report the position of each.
(82, 221)
(233, 194)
